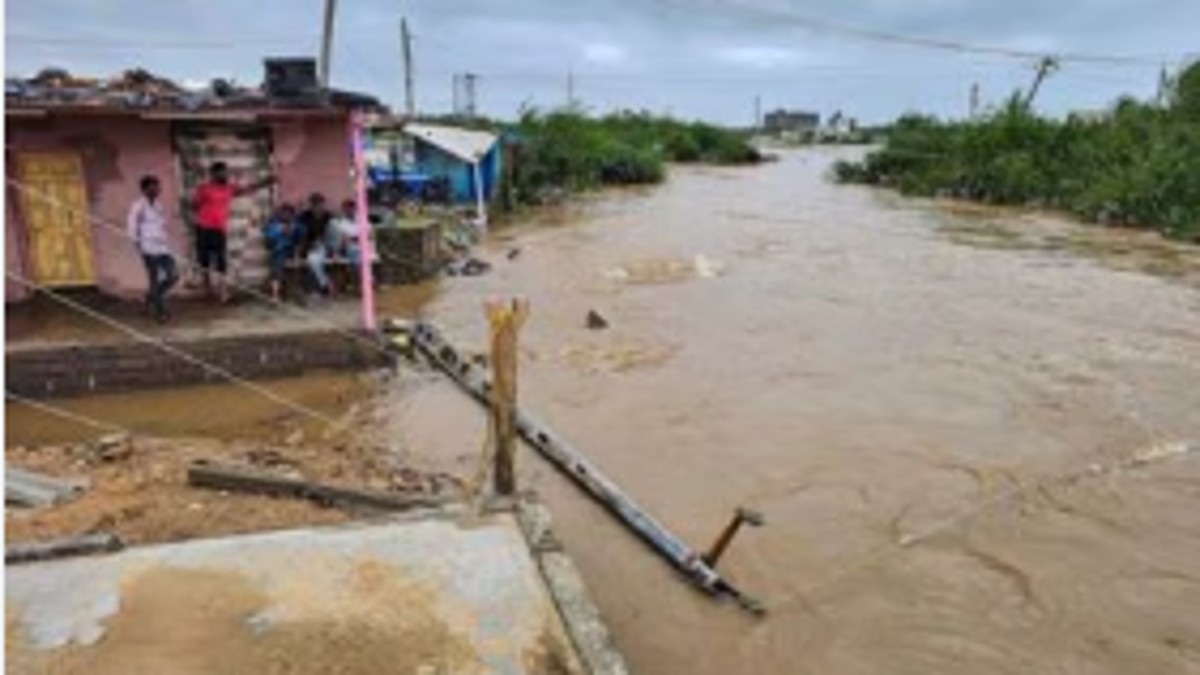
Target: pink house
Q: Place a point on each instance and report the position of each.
(76, 150)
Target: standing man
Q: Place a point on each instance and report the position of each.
(211, 203)
(147, 227)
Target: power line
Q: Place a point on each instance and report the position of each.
(876, 35)
(63, 413)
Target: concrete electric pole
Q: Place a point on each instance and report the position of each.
(973, 111)
(410, 97)
(327, 43)
(571, 88)
(469, 81)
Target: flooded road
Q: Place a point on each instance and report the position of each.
(971, 458)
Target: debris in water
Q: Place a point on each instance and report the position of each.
(468, 267)
(595, 321)
(666, 270)
(706, 268)
(1162, 451)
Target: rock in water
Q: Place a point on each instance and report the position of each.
(595, 321)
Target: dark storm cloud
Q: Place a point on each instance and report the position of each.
(697, 58)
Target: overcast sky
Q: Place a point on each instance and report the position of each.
(704, 59)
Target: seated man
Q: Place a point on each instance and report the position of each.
(315, 249)
(346, 227)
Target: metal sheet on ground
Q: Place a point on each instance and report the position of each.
(428, 595)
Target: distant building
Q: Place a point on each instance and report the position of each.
(839, 127)
(792, 124)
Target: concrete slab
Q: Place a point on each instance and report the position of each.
(426, 595)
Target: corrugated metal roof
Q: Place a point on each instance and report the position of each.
(137, 91)
(465, 144)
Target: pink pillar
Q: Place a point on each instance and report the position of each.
(365, 254)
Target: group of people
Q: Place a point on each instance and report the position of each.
(314, 235)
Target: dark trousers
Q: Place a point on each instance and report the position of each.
(161, 274)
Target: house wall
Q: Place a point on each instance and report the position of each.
(116, 152)
(14, 258)
(312, 155)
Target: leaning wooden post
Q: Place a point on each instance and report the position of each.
(505, 320)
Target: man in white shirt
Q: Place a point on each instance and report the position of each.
(147, 227)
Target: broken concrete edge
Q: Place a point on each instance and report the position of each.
(43, 372)
(104, 542)
(579, 614)
(64, 547)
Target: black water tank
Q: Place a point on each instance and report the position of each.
(291, 77)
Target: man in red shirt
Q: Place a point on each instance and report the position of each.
(211, 203)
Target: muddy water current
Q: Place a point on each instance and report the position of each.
(969, 430)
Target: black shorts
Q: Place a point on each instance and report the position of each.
(210, 249)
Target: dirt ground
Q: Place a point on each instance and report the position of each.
(139, 491)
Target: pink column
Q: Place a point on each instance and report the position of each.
(365, 254)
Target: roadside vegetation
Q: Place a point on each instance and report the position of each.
(569, 151)
(559, 152)
(1136, 166)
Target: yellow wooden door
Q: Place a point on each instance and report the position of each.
(55, 211)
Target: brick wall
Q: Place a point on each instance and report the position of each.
(91, 369)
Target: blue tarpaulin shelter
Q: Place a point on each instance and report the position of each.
(462, 156)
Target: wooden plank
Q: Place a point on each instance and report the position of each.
(239, 479)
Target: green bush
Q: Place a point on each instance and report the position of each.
(1139, 166)
(566, 150)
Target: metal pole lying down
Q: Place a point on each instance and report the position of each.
(691, 564)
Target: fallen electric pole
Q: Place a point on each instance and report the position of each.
(694, 566)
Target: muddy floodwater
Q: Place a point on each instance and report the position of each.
(969, 430)
(972, 432)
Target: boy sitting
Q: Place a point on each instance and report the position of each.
(279, 235)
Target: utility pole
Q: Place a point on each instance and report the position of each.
(571, 88)
(1045, 67)
(758, 113)
(327, 43)
(1164, 86)
(469, 81)
(410, 97)
(455, 102)
(974, 104)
